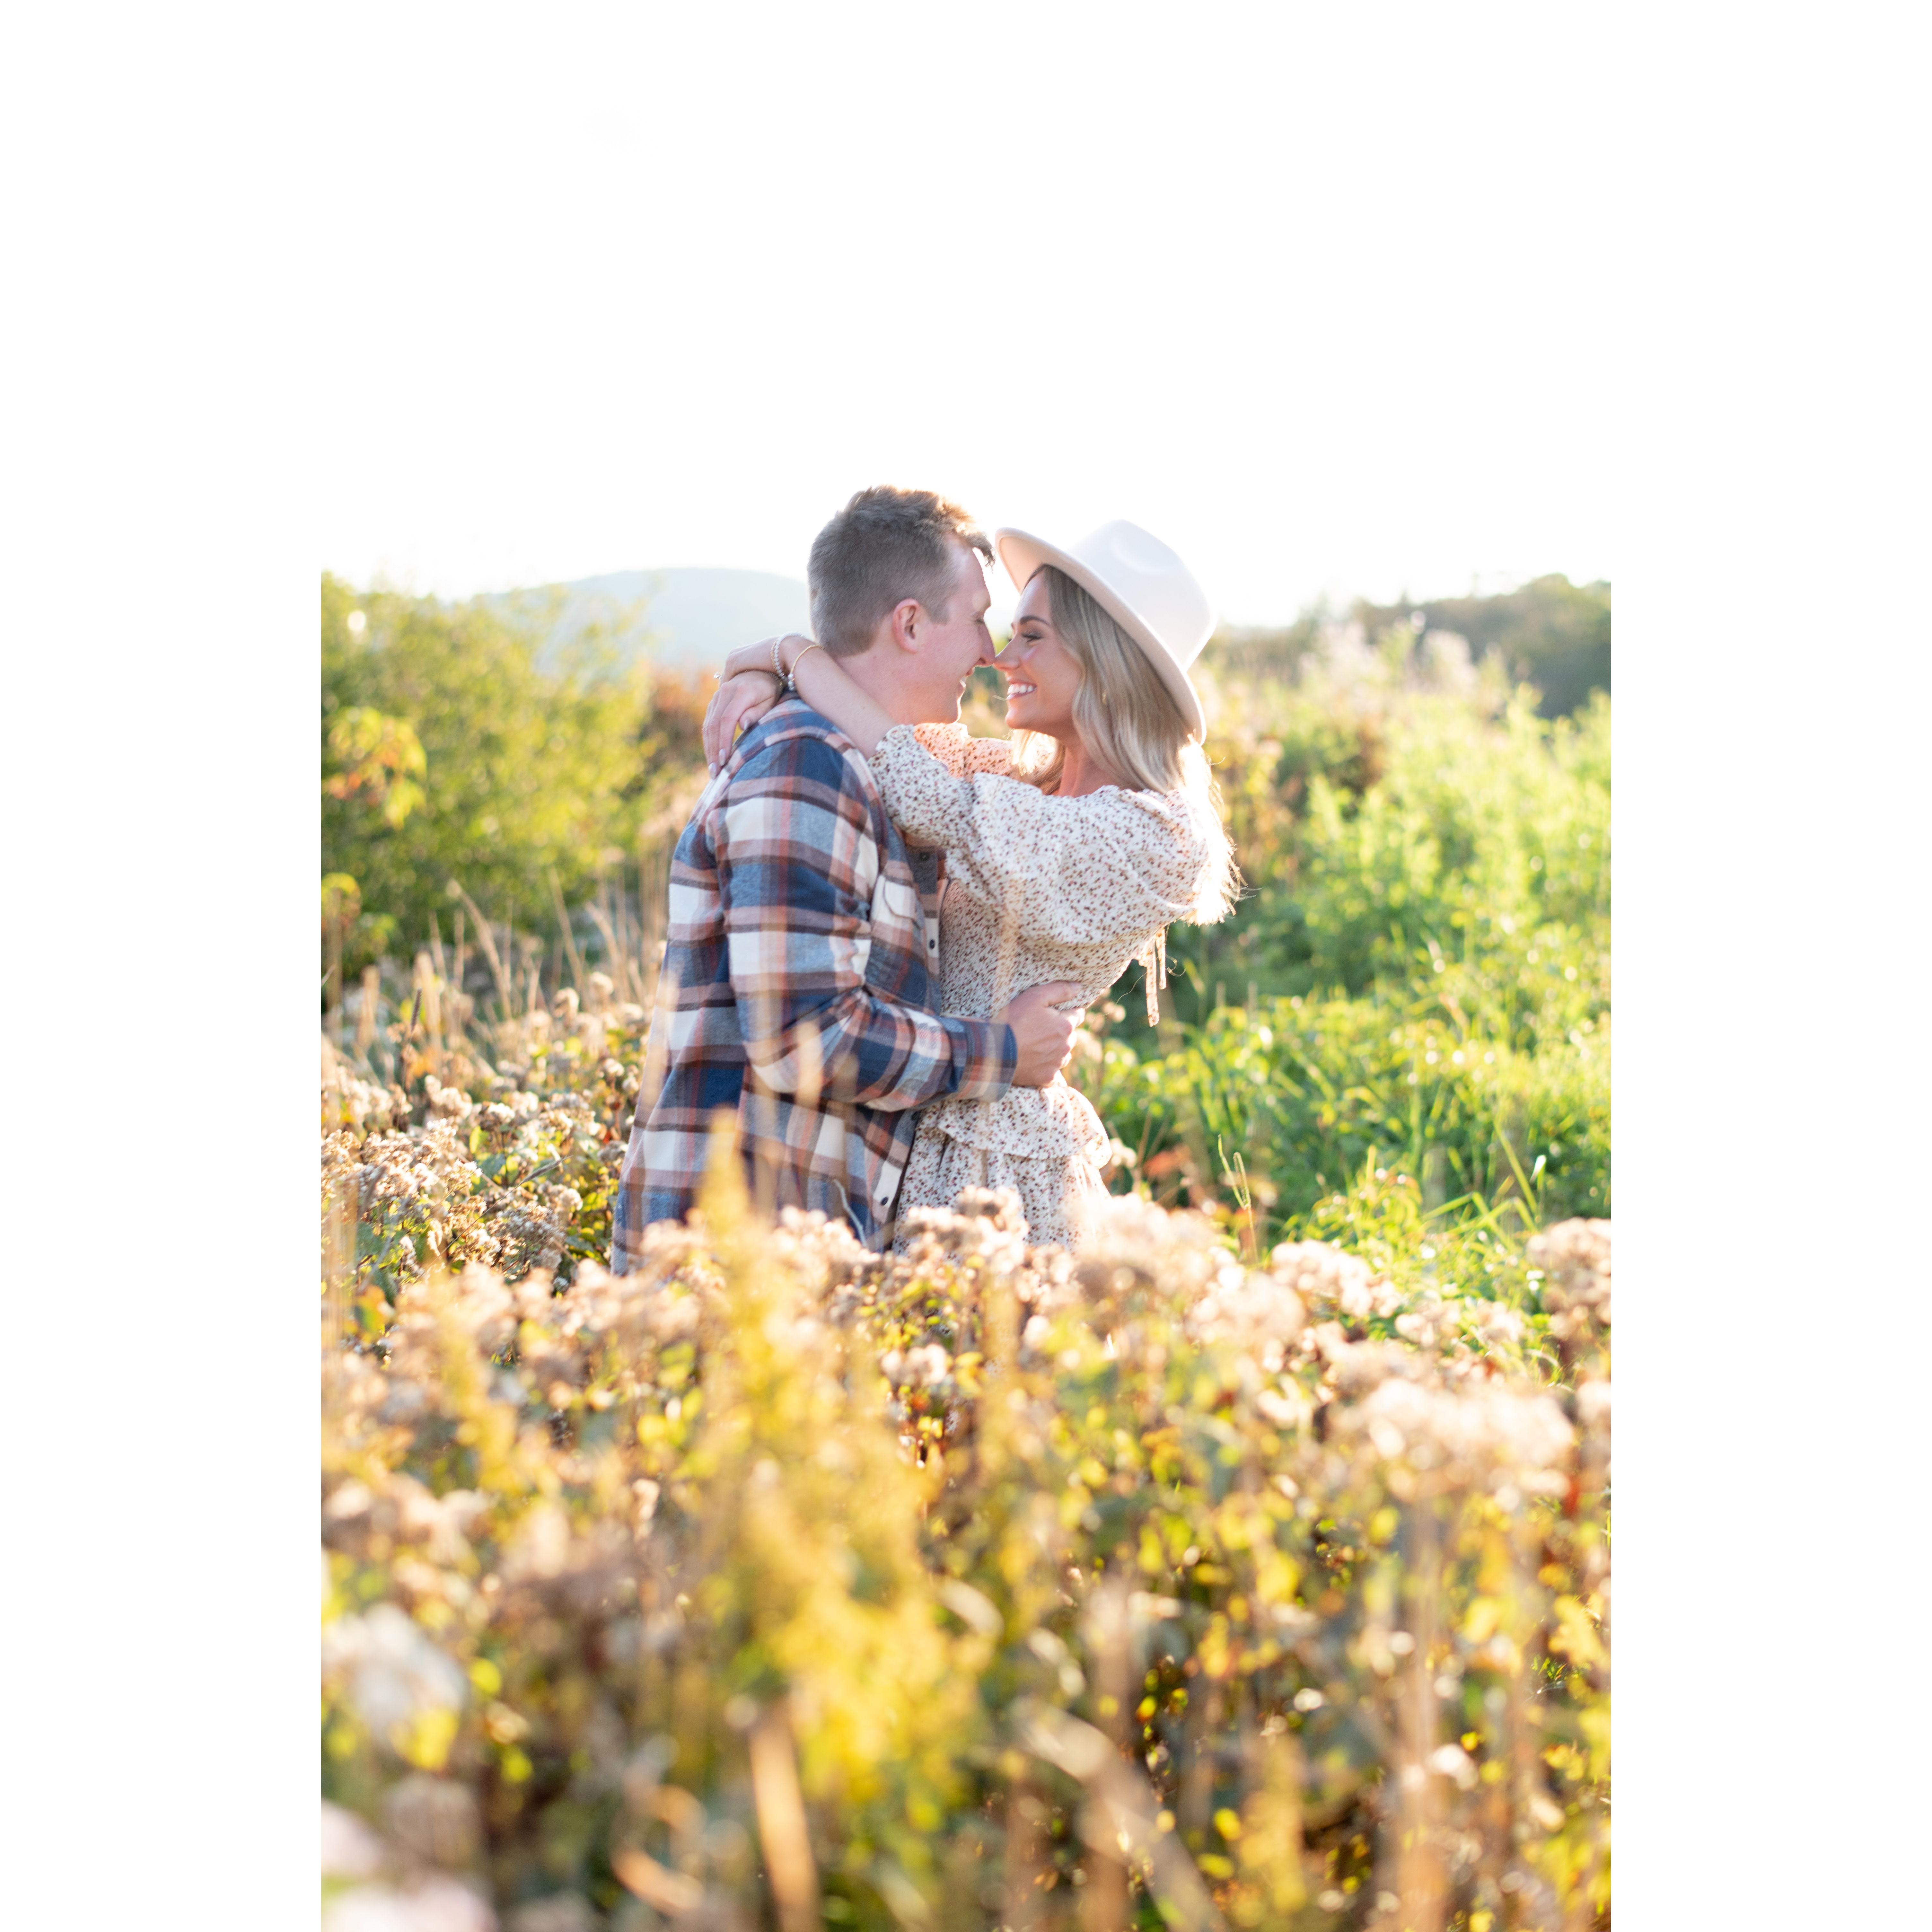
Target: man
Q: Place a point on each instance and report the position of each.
(798, 974)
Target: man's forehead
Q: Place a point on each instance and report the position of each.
(979, 590)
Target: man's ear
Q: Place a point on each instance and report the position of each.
(908, 619)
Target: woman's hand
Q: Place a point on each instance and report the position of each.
(740, 700)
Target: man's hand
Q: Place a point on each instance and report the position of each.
(736, 705)
(1044, 1036)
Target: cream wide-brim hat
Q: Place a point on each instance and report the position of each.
(1142, 586)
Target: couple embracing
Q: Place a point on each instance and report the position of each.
(882, 930)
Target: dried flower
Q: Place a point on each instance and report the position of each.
(395, 1673)
(1190, 1508)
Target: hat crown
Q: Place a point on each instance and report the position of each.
(1153, 583)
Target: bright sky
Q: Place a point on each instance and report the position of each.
(1322, 301)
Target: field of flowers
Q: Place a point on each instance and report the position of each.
(1250, 1569)
(783, 1584)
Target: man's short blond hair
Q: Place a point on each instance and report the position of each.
(885, 545)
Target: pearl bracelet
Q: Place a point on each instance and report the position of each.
(791, 675)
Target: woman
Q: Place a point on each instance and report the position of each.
(1069, 850)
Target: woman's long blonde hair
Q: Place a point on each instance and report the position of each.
(1132, 726)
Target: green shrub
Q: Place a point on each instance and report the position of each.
(1420, 976)
(450, 752)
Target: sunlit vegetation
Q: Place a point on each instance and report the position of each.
(1250, 1569)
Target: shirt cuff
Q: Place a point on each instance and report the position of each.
(984, 1055)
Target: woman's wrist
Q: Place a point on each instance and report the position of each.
(747, 657)
(787, 651)
(775, 657)
(793, 653)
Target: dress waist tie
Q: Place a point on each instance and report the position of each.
(1153, 964)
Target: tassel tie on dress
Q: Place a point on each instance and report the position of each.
(1153, 964)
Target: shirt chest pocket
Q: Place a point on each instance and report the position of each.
(897, 904)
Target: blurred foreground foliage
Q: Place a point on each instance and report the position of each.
(783, 1583)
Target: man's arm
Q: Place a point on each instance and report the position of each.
(797, 864)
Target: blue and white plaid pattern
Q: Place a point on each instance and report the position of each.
(794, 991)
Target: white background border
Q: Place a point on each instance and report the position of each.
(169, 226)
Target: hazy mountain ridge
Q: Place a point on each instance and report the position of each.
(683, 616)
(1554, 633)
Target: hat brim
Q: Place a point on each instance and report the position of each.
(1022, 553)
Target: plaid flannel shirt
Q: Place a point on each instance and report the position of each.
(794, 990)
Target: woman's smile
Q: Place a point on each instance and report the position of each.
(1042, 672)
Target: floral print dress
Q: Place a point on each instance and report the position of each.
(1037, 888)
